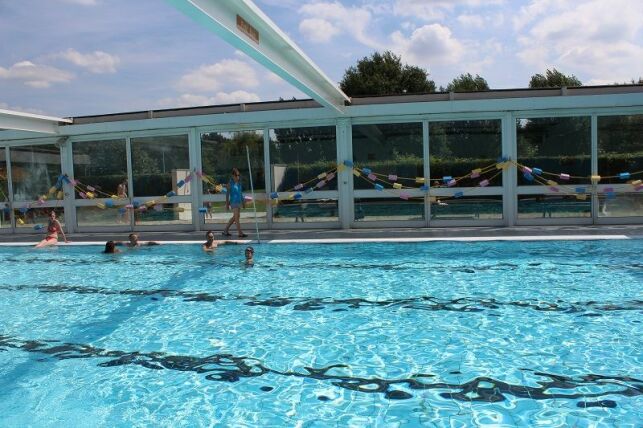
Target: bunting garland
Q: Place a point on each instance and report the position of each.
(391, 183)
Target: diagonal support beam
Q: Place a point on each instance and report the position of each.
(19, 121)
(243, 25)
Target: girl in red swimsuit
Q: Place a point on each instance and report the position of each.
(53, 229)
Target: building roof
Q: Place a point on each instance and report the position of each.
(495, 94)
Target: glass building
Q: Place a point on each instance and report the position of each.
(496, 158)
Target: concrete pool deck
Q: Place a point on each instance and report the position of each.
(363, 235)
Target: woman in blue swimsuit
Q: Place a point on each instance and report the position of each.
(234, 199)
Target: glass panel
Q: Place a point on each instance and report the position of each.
(553, 206)
(621, 205)
(385, 209)
(620, 147)
(222, 151)
(304, 158)
(217, 214)
(457, 148)
(390, 149)
(38, 218)
(556, 145)
(101, 165)
(305, 210)
(5, 216)
(4, 178)
(165, 214)
(34, 170)
(467, 208)
(94, 216)
(299, 155)
(159, 163)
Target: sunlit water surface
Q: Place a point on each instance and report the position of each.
(421, 334)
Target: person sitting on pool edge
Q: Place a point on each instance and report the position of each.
(135, 243)
(110, 248)
(249, 253)
(53, 228)
(210, 244)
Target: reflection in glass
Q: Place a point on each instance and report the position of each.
(305, 158)
(4, 178)
(467, 208)
(386, 209)
(456, 148)
(159, 163)
(222, 151)
(388, 149)
(34, 171)
(217, 213)
(94, 216)
(299, 155)
(38, 217)
(629, 204)
(620, 147)
(165, 214)
(555, 145)
(5, 216)
(305, 211)
(553, 206)
(103, 166)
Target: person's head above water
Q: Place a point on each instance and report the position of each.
(209, 236)
(110, 247)
(133, 239)
(250, 252)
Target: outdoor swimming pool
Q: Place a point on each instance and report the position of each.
(377, 334)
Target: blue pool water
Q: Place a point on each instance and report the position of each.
(422, 334)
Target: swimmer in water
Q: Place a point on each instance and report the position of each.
(110, 248)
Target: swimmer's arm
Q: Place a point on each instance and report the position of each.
(62, 232)
(149, 243)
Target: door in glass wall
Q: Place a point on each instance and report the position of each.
(161, 188)
(220, 153)
(303, 164)
(37, 184)
(388, 172)
(102, 190)
(620, 165)
(554, 167)
(465, 167)
(5, 207)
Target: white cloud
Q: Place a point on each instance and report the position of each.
(96, 62)
(535, 10)
(35, 75)
(587, 38)
(274, 79)
(435, 10)
(472, 21)
(236, 97)
(6, 106)
(191, 100)
(318, 30)
(339, 19)
(225, 73)
(429, 45)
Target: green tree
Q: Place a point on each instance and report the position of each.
(467, 83)
(384, 74)
(553, 79)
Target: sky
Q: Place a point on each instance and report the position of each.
(83, 57)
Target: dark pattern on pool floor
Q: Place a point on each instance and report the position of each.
(427, 303)
(230, 368)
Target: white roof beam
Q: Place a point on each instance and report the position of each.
(242, 24)
(19, 121)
